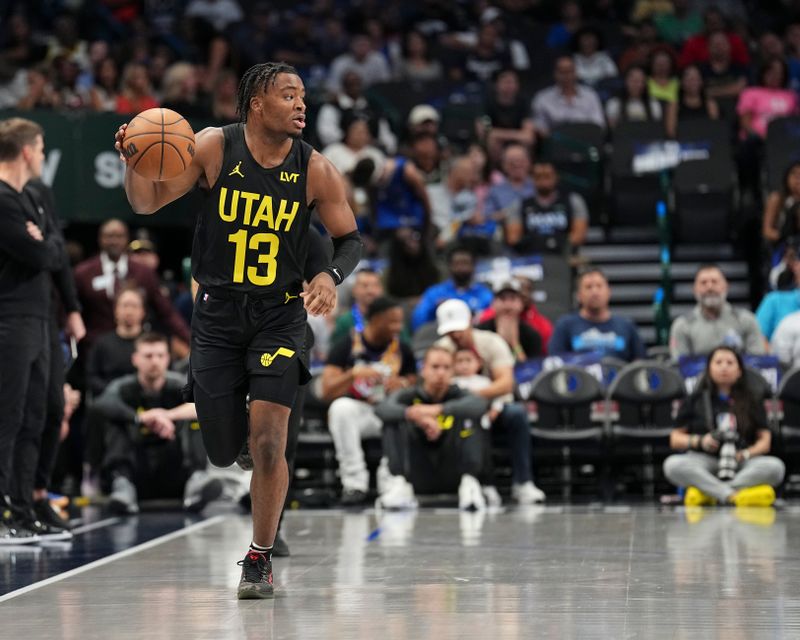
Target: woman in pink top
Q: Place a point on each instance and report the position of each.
(757, 106)
(136, 95)
(770, 99)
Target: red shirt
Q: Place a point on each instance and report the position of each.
(125, 105)
(695, 51)
(531, 317)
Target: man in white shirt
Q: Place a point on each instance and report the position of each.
(566, 101)
(369, 64)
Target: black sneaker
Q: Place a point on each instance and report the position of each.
(45, 532)
(244, 459)
(12, 534)
(353, 498)
(279, 548)
(256, 582)
(45, 513)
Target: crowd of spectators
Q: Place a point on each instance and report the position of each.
(430, 200)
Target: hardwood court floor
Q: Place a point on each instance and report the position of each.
(544, 572)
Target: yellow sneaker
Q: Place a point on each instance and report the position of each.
(696, 498)
(762, 495)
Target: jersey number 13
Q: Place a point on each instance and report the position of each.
(254, 243)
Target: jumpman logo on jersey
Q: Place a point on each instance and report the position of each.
(289, 297)
(268, 358)
(237, 171)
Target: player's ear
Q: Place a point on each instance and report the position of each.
(256, 104)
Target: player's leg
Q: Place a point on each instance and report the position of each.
(271, 399)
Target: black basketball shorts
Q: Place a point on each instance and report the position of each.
(245, 342)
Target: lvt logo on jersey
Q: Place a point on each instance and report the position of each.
(289, 177)
(237, 171)
(268, 358)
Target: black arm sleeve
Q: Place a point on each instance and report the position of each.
(319, 254)
(346, 256)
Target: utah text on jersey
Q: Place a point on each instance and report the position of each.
(256, 209)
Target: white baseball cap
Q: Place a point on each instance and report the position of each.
(422, 113)
(453, 315)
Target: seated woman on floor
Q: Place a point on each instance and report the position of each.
(722, 428)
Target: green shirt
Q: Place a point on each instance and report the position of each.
(665, 94)
(677, 30)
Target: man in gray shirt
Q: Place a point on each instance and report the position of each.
(714, 321)
(566, 101)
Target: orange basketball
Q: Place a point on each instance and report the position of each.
(159, 144)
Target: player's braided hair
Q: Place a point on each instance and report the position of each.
(256, 79)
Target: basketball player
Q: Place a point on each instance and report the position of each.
(260, 182)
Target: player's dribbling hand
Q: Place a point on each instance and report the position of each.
(320, 297)
(119, 136)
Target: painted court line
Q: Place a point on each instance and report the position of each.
(115, 556)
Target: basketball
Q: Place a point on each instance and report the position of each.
(159, 144)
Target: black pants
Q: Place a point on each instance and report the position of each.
(433, 467)
(24, 369)
(159, 468)
(55, 413)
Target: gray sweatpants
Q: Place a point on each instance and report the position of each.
(698, 469)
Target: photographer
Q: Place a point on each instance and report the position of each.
(722, 427)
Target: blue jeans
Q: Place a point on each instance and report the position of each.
(514, 419)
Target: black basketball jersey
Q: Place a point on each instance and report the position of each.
(252, 232)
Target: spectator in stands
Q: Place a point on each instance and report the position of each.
(640, 53)
(785, 343)
(678, 26)
(508, 323)
(100, 278)
(350, 101)
(746, 480)
(370, 65)
(724, 77)
(21, 48)
(467, 207)
(110, 356)
(460, 285)
(757, 106)
(417, 64)
(792, 49)
(649, 9)
(400, 199)
(530, 314)
(714, 322)
(488, 56)
(776, 305)
(516, 182)
(561, 33)
(698, 49)
(692, 103)
(412, 268)
(662, 83)
(105, 88)
(219, 14)
(40, 93)
(767, 100)
(356, 145)
(152, 438)
(136, 94)
(550, 220)
(180, 91)
(362, 369)
(366, 288)
(592, 62)
(427, 155)
(424, 119)
(634, 103)
(71, 95)
(454, 323)
(594, 327)
(432, 438)
(780, 227)
(566, 101)
(258, 34)
(506, 119)
(223, 97)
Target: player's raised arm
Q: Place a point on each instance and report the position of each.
(148, 196)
